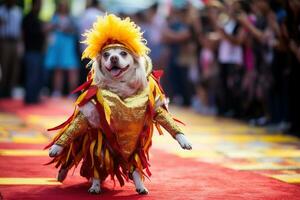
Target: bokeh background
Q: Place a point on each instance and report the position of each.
(231, 71)
(229, 58)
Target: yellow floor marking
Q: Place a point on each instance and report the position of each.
(196, 154)
(3, 132)
(278, 138)
(31, 140)
(244, 154)
(45, 121)
(29, 181)
(260, 166)
(22, 152)
(282, 153)
(289, 178)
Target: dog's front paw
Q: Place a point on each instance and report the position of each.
(142, 191)
(183, 141)
(55, 150)
(95, 188)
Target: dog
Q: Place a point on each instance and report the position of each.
(122, 72)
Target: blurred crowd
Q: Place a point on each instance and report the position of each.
(231, 58)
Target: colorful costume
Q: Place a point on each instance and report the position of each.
(117, 139)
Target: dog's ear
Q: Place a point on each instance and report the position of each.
(98, 61)
(98, 57)
(137, 60)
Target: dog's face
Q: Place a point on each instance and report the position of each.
(120, 71)
(116, 62)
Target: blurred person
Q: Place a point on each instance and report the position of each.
(34, 40)
(153, 34)
(257, 54)
(10, 34)
(207, 85)
(87, 20)
(251, 105)
(62, 53)
(230, 58)
(280, 68)
(175, 35)
(268, 32)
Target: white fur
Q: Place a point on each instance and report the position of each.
(90, 112)
(159, 102)
(55, 150)
(129, 82)
(139, 185)
(183, 141)
(95, 188)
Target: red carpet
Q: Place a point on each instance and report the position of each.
(50, 107)
(173, 178)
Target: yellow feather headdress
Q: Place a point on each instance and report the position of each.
(111, 29)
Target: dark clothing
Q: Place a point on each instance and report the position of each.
(34, 37)
(178, 74)
(34, 76)
(294, 98)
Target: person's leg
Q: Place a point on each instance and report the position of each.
(33, 81)
(4, 67)
(174, 73)
(58, 82)
(185, 86)
(14, 60)
(223, 91)
(73, 79)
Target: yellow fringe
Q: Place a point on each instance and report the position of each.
(96, 174)
(80, 98)
(106, 107)
(139, 165)
(159, 129)
(107, 160)
(69, 152)
(92, 151)
(99, 146)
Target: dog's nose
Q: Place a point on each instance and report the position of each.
(114, 59)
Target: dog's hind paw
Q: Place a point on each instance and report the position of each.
(95, 188)
(62, 174)
(142, 191)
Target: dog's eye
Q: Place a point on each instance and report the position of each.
(105, 54)
(123, 53)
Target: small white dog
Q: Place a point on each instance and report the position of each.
(121, 72)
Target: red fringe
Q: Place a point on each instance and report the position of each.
(62, 125)
(92, 91)
(177, 120)
(158, 74)
(107, 130)
(84, 86)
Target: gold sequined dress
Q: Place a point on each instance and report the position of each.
(121, 142)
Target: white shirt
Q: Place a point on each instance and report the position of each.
(11, 19)
(230, 53)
